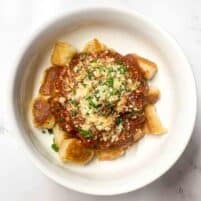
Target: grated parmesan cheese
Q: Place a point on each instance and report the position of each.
(100, 85)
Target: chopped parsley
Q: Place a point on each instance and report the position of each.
(116, 92)
(83, 55)
(89, 75)
(74, 102)
(101, 68)
(55, 147)
(94, 60)
(74, 113)
(119, 121)
(119, 62)
(97, 91)
(109, 82)
(97, 94)
(122, 69)
(83, 84)
(50, 130)
(110, 70)
(74, 91)
(91, 102)
(85, 133)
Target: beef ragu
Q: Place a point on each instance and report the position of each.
(98, 98)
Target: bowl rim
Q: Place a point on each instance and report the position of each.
(33, 153)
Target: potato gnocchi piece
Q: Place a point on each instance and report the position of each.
(62, 53)
(72, 150)
(148, 67)
(110, 154)
(94, 46)
(42, 115)
(145, 129)
(59, 135)
(153, 95)
(154, 124)
(50, 82)
(138, 135)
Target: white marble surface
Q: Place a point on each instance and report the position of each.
(19, 179)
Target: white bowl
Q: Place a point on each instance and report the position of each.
(125, 31)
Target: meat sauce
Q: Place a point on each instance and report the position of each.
(59, 81)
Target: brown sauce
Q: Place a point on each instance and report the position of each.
(56, 84)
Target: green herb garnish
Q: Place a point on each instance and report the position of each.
(74, 102)
(109, 82)
(122, 69)
(74, 91)
(74, 113)
(50, 130)
(110, 70)
(116, 92)
(119, 62)
(91, 102)
(83, 84)
(119, 121)
(101, 68)
(55, 147)
(83, 55)
(94, 60)
(89, 75)
(43, 131)
(85, 133)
